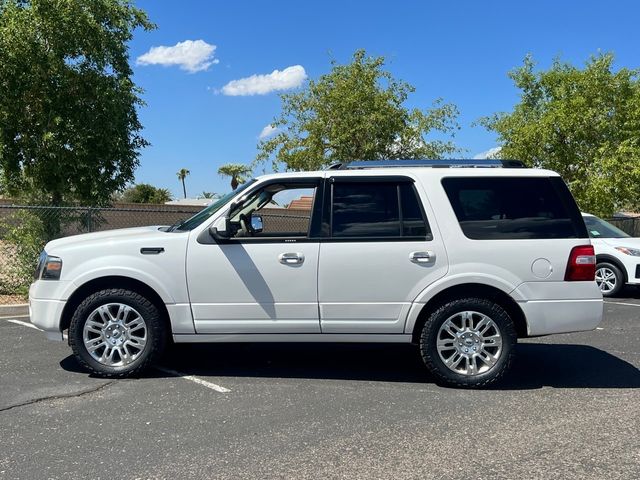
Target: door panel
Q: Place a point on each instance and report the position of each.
(248, 288)
(381, 254)
(368, 287)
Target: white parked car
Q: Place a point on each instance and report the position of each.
(459, 261)
(617, 256)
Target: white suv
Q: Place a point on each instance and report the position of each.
(617, 256)
(460, 261)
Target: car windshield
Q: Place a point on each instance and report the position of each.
(598, 228)
(205, 214)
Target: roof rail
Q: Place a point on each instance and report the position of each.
(450, 163)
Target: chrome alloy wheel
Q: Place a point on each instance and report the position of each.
(606, 279)
(115, 334)
(469, 343)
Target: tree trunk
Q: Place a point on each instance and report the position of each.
(184, 189)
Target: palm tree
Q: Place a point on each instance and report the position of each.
(182, 174)
(237, 171)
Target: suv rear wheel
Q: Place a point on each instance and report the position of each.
(468, 342)
(117, 333)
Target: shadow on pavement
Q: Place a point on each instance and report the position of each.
(536, 365)
(629, 292)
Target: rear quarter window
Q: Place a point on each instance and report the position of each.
(501, 208)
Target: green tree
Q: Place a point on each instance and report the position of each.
(581, 122)
(208, 195)
(356, 112)
(145, 193)
(69, 129)
(182, 175)
(237, 171)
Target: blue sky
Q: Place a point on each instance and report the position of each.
(458, 50)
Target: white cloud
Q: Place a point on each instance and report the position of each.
(190, 55)
(290, 77)
(267, 132)
(491, 153)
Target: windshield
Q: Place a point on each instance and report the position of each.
(205, 214)
(598, 228)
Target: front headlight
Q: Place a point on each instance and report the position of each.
(629, 251)
(49, 267)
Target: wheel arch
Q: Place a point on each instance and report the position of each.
(603, 257)
(112, 281)
(466, 290)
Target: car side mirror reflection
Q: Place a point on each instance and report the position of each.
(256, 224)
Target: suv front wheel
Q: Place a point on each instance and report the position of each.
(609, 278)
(468, 342)
(117, 333)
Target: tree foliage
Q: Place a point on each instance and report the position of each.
(69, 130)
(145, 193)
(238, 173)
(584, 124)
(356, 112)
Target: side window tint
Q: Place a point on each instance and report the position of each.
(413, 222)
(377, 209)
(493, 208)
(365, 210)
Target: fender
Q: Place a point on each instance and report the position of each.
(449, 281)
(604, 257)
(174, 291)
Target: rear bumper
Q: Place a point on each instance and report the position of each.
(545, 317)
(560, 307)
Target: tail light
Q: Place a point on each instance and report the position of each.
(582, 264)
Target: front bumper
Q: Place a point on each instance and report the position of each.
(46, 313)
(632, 267)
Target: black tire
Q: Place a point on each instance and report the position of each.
(156, 333)
(436, 365)
(619, 279)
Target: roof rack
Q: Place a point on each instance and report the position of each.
(455, 163)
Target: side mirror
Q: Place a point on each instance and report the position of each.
(256, 224)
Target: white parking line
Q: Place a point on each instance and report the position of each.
(193, 379)
(174, 373)
(623, 303)
(24, 324)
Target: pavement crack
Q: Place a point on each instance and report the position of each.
(60, 396)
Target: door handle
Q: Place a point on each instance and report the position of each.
(291, 258)
(422, 257)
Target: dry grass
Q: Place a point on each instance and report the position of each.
(12, 276)
(13, 299)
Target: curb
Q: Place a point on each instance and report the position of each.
(19, 309)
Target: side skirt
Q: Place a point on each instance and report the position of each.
(291, 337)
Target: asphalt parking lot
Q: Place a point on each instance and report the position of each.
(570, 408)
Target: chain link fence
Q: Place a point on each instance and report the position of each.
(629, 225)
(25, 229)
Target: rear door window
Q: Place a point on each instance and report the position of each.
(494, 208)
(377, 209)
